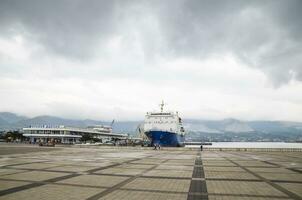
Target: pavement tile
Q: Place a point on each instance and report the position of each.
(293, 187)
(159, 184)
(53, 192)
(4, 185)
(36, 166)
(6, 171)
(230, 175)
(269, 170)
(121, 171)
(218, 163)
(175, 167)
(34, 176)
(223, 169)
(72, 168)
(170, 173)
(282, 176)
(142, 195)
(148, 161)
(254, 163)
(94, 180)
(242, 187)
(136, 166)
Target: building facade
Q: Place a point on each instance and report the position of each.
(68, 135)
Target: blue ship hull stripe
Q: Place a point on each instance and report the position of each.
(165, 138)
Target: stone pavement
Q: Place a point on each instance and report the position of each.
(134, 173)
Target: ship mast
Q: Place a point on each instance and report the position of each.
(162, 106)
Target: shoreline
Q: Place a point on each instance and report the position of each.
(205, 148)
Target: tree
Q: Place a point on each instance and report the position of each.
(13, 135)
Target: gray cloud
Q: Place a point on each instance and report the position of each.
(264, 34)
(68, 28)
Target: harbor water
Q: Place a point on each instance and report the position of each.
(250, 145)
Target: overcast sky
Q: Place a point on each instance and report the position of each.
(118, 59)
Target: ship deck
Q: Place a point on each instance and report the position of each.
(29, 172)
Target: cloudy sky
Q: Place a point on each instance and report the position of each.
(118, 59)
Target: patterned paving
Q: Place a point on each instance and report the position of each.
(133, 173)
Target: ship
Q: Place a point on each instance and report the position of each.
(164, 128)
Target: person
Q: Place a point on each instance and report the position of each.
(201, 147)
(159, 146)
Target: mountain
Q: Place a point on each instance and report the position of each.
(10, 118)
(54, 121)
(126, 126)
(13, 121)
(200, 127)
(275, 126)
(218, 126)
(236, 130)
(236, 126)
(3, 122)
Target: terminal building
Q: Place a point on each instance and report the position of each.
(69, 135)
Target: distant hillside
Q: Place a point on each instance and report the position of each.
(10, 118)
(218, 126)
(236, 130)
(3, 122)
(13, 121)
(50, 120)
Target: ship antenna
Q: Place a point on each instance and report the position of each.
(162, 106)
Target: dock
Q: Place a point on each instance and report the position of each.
(52, 173)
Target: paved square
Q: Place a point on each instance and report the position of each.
(32, 172)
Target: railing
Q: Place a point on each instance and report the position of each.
(254, 149)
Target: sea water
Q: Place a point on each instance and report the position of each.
(251, 145)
